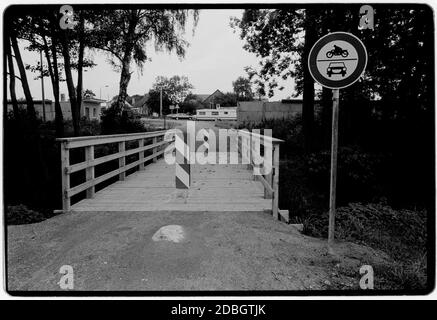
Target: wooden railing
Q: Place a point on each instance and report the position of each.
(264, 163)
(157, 146)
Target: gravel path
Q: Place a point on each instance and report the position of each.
(223, 251)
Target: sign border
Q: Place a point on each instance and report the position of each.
(362, 63)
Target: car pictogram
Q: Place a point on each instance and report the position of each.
(336, 68)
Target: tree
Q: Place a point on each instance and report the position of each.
(73, 44)
(243, 89)
(11, 81)
(15, 28)
(191, 104)
(281, 38)
(43, 33)
(88, 94)
(229, 99)
(125, 34)
(389, 108)
(176, 88)
(153, 102)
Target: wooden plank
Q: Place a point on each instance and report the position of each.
(83, 165)
(104, 177)
(65, 161)
(104, 139)
(121, 160)
(267, 170)
(248, 134)
(153, 190)
(141, 153)
(266, 185)
(155, 150)
(275, 199)
(89, 156)
(285, 215)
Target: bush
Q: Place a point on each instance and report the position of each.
(289, 130)
(114, 122)
(402, 234)
(20, 214)
(374, 225)
(360, 175)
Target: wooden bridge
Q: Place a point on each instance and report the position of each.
(127, 172)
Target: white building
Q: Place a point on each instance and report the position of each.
(227, 113)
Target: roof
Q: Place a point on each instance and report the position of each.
(221, 109)
(93, 100)
(296, 100)
(47, 101)
(203, 97)
(217, 91)
(140, 100)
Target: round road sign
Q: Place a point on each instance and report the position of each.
(337, 60)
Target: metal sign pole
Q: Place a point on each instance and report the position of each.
(335, 65)
(333, 185)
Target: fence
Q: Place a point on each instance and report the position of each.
(255, 146)
(88, 143)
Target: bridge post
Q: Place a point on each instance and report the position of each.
(248, 153)
(89, 157)
(275, 169)
(141, 154)
(268, 167)
(65, 162)
(182, 164)
(155, 150)
(121, 160)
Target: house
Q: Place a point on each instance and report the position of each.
(48, 106)
(210, 101)
(136, 103)
(139, 103)
(227, 113)
(91, 108)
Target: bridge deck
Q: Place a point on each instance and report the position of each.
(214, 188)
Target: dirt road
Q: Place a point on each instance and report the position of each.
(223, 251)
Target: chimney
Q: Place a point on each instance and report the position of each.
(62, 96)
(133, 101)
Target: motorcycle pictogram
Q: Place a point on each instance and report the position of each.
(337, 51)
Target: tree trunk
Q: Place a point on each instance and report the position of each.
(59, 118)
(12, 81)
(29, 100)
(75, 111)
(80, 62)
(125, 71)
(308, 86)
(124, 82)
(54, 77)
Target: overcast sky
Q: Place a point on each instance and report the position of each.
(213, 60)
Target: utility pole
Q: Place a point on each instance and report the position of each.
(160, 102)
(42, 89)
(100, 95)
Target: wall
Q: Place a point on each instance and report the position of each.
(65, 107)
(257, 111)
(49, 108)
